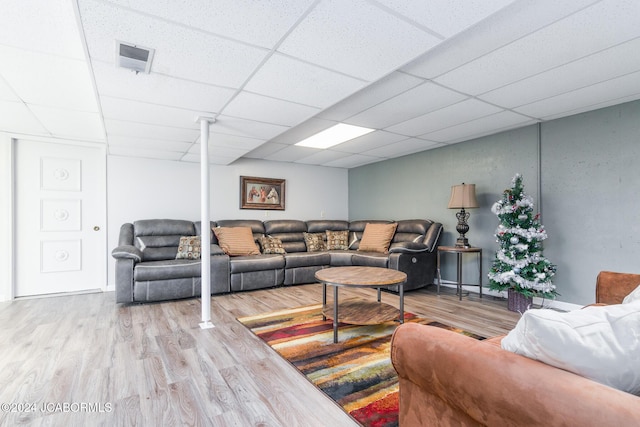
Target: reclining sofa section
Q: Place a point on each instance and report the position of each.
(146, 268)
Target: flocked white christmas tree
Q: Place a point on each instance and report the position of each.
(519, 263)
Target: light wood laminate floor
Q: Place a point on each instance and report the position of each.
(82, 360)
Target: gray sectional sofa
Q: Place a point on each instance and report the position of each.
(146, 268)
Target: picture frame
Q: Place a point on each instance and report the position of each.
(262, 193)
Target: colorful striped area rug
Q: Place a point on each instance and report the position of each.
(356, 372)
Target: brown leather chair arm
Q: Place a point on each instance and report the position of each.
(450, 379)
(612, 287)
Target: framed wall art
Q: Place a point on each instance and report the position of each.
(262, 193)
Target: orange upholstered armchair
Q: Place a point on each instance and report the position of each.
(448, 379)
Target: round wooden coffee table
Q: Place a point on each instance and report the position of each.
(358, 311)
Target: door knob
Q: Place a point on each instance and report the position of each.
(96, 228)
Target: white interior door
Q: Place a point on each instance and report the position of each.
(60, 216)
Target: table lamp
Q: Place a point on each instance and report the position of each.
(463, 197)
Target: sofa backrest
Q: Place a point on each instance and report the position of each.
(158, 239)
(289, 231)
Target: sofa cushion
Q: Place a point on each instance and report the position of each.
(306, 259)
(244, 264)
(271, 245)
(370, 259)
(236, 241)
(189, 247)
(377, 237)
(314, 242)
(168, 269)
(598, 342)
(337, 240)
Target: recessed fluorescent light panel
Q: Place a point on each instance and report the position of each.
(334, 135)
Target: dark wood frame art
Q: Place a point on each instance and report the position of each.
(257, 193)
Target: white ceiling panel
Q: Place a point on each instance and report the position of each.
(356, 38)
(291, 153)
(16, 117)
(143, 112)
(143, 130)
(70, 123)
(242, 143)
(557, 44)
(292, 80)
(353, 161)
(225, 152)
(303, 130)
(158, 89)
(265, 150)
(604, 65)
(418, 101)
(369, 141)
(6, 92)
(41, 26)
(47, 79)
(149, 144)
(446, 17)
(475, 128)
(402, 148)
(512, 23)
(144, 153)
(269, 110)
(243, 127)
(262, 23)
(180, 51)
(586, 97)
(322, 157)
(385, 88)
(461, 112)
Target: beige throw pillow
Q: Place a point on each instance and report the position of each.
(236, 241)
(377, 237)
(314, 242)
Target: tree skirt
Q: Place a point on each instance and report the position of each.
(356, 372)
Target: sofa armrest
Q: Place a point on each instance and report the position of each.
(127, 252)
(612, 287)
(433, 236)
(407, 247)
(447, 378)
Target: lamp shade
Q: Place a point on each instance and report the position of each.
(463, 196)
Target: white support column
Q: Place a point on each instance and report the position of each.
(205, 238)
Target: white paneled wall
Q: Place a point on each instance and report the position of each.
(5, 217)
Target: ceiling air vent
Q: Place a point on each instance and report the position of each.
(136, 58)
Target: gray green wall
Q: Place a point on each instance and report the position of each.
(581, 170)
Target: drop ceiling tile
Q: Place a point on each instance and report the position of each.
(291, 153)
(265, 150)
(604, 65)
(509, 24)
(269, 110)
(412, 103)
(292, 80)
(596, 106)
(303, 130)
(148, 143)
(455, 114)
(16, 117)
(369, 141)
(262, 23)
(213, 160)
(225, 152)
(322, 157)
(333, 36)
(446, 17)
(43, 26)
(217, 140)
(6, 93)
(248, 128)
(144, 153)
(482, 126)
(70, 123)
(143, 112)
(579, 99)
(179, 51)
(159, 89)
(143, 130)
(353, 161)
(402, 148)
(379, 91)
(572, 38)
(47, 79)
